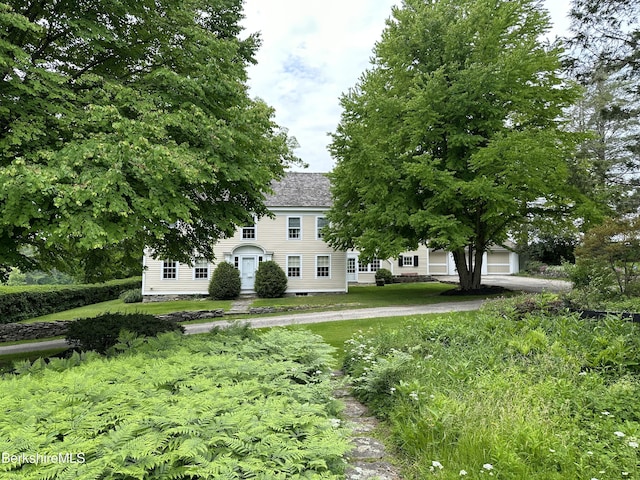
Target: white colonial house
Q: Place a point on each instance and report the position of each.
(293, 239)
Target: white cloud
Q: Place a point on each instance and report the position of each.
(311, 53)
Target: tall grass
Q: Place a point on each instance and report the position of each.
(538, 396)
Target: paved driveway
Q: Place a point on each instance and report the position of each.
(512, 282)
(289, 319)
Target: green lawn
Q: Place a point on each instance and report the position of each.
(358, 297)
(363, 296)
(336, 333)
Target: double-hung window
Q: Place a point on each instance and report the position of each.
(323, 266)
(321, 222)
(294, 228)
(169, 270)
(294, 264)
(201, 269)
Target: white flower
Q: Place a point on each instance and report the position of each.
(414, 395)
(589, 452)
(625, 474)
(463, 473)
(619, 434)
(605, 413)
(633, 444)
(487, 466)
(392, 390)
(437, 464)
(582, 373)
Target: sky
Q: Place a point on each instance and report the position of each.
(312, 52)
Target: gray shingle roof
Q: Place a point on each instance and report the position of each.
(300, 189)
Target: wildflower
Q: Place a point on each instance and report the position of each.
(619, 434)
(437, 464)
(605, 413)
(633, 444)
(463, 473)
(582, 373)
(487, 466)
(589, 452)
(392, 390)
(414, 395)
(625, 474)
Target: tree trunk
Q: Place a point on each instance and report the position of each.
(469, 268)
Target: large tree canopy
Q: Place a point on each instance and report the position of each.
(128, 123)
(452, 138)
(605, 58)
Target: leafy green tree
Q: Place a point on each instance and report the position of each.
(451, 138)
(610, 256)
(605, 58)
(126, 124)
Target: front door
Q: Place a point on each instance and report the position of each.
(352, 269)
(248, 273)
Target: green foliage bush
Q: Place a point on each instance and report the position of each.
(102, 332)
(217, 406)
(549, 396)
(384, 274)
(225, 282)
(131, 296)
(271, 281)
(24, 302)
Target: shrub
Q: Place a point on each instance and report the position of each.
(24, 302)
(225, 282)
(384, 274)
(271, 281)
(100, 333)
(131, 296)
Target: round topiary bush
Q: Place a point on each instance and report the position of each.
(384, 274)
(225, 282)
(271, 281)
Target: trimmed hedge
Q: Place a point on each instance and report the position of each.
(21, 303)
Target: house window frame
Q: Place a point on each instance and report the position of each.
(372, 267)
(299, 266)
(319, 228)
(289, 228)
(250, 231)
(408, 261)
(170, 270)
(199, 270)
(328, 267)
